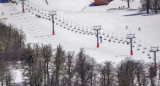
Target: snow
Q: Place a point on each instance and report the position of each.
(78, 12)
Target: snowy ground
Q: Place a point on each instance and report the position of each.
(77, 13)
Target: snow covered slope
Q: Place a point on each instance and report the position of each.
(74, 22)
(77, 13)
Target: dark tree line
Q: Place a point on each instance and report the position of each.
(11, 50)
(44, 66)
(150, 6)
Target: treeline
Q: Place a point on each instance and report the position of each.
(11, 45)
(150, 6)
(44, 66)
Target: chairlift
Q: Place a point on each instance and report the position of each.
(91, 33)
(133, 46)
(145, 47)
(139, 45)
(68, 29)
(72, 30)
(148, 54)
(143, 51)
(116, 38)
(109, 40)
(138, 48)
(107, 35)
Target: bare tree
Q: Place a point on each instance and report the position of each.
(126, 73)
(83, 67)
(107, 74)
(152, 75)
(46, 53)
(141, 73)
(59, 62)
(70, 67)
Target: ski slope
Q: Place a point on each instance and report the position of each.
(78, 19)
(113, 21)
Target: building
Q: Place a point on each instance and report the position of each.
(101, 2)
(4, 1)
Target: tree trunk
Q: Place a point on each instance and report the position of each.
(104, 80)
(2, 83)
(148, 6)
(155, 7)
(48, 74)
(57, 77)
(128, 3)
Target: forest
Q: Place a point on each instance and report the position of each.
(44, 66)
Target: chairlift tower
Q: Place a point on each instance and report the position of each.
(23, 6)
(97, 28)
(131, 37)
(154, 50)
(53, 13)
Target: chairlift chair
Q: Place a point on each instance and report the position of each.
(60, 25)
(72, 30)
(138, 48)
(116, 38)
(109, 40)
(119, 41)
(133, 46)
(148, 54)
(143, 51)
(55, 18)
